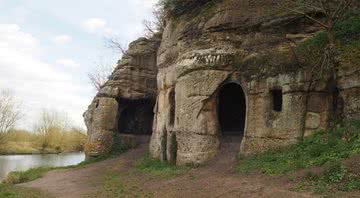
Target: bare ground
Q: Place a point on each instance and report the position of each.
(216, 179)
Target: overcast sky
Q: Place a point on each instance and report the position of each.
(47, 47)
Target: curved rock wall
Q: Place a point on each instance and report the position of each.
(243, 42)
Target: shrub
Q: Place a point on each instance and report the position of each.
(349, 29)
(346, 32)
(180, 7)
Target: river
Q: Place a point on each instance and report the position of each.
(9, 163)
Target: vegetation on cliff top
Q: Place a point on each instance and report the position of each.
(346, 31)
(181, 7)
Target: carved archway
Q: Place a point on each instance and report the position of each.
(232, 110)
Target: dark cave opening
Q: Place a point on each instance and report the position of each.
(232, 110)
(277, 100)
(135, 116)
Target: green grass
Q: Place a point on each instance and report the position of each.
(317, 150)
(335, 176)
(120, 184)
(18, 177)
(9, 191)
(127, 184)
(158, 168)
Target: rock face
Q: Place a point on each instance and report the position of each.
(227, 70)
(126, 101)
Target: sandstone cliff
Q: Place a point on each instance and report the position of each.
(202, 52)
(134, 78)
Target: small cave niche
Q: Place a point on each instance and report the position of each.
(337, 105)
(135, 116)
(232, 110)
(172, 107)
(277, 100)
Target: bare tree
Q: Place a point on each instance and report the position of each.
(9, 113)
(157, 25)
(51, 125)
(99, 75)
(116, 45)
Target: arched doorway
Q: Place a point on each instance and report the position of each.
(232, 110)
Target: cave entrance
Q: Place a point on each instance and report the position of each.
(232, 110)
(135, 116)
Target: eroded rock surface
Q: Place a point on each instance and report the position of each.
(133, 80)
(235, 41)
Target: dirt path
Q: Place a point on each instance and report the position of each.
(216, 179)
(75, 183)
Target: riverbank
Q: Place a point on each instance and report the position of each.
(26, 143)
(30, 148)
(133, 174)
(24, 148)
(325, 164)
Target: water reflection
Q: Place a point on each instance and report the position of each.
(10, 163)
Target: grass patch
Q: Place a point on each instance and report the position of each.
(120, 184)
(335, 177)
(158, 168)
(317, 150)
(18, 177)
(10, 191)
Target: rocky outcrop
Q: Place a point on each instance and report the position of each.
(134, 79)
(241, 43)
(250, 44)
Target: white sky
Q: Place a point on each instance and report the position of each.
(47, 47)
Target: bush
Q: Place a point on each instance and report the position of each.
(346, 32)
(349, 29)
(180, 7)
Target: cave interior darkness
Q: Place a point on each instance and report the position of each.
(135, 116)
(232, 110)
